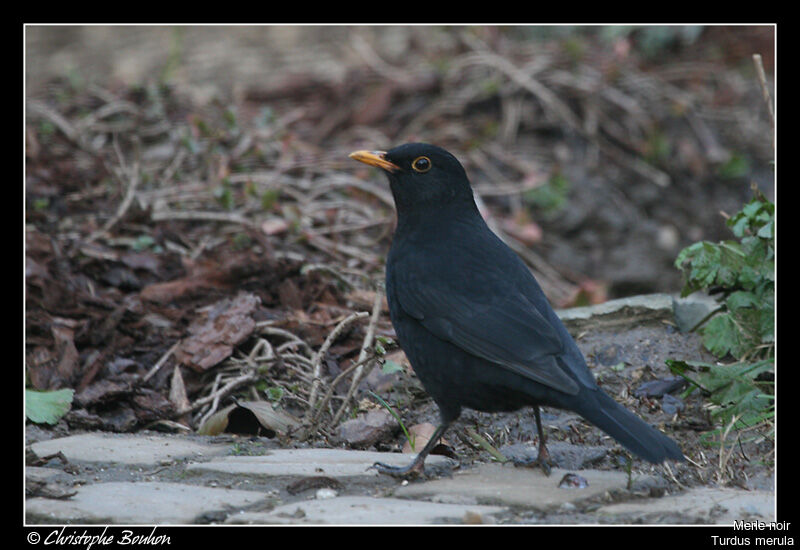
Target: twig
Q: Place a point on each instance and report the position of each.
(317, 365)
(160, 362)
(124, 173)
(723, 458)
(329, 394)
(480, 440)
(541, 92)
(362, 356)
(337, 249)
(231, 217)
(762, 79)
(58, 121)
(389, 72)
(225, 390)
(292, 338)
(672, 475)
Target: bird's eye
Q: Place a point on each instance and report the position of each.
(421, 164)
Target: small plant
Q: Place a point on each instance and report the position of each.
(396, 416)
(551, 197)
(742, 273)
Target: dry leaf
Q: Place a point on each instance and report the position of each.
(421, 433)
(247, 417)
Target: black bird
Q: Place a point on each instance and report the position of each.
(472, 320)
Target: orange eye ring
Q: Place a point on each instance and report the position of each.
(421, 164)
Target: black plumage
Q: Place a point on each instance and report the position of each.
(471, 318)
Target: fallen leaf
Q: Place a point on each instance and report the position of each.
(249, 417)
(274, 226)
(47, 407)
(421, 433)
(217, 331)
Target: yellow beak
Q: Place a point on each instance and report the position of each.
(375, 158)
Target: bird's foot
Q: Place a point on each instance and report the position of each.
(542, 460)
(412, 471)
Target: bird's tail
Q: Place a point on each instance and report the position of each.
(629, 430)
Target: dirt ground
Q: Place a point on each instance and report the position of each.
(195, 230)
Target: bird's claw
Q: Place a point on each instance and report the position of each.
(402, 472)
(544, 462)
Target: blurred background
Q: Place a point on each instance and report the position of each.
(599, 151)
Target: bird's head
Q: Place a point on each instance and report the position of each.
(421, 176)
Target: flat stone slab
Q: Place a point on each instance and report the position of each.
(703, 505)
(142, 502)
(630, 311)
(507, 485)
(309, 462)
(358, 510)
(125, 449)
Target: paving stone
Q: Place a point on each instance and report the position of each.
(566, 455)
(692, 309)
(704, 505)
(138, 502)
(623, 312)
(361, 510)
(308, 462)
(511, 486)
(127, 449)
(38, 473)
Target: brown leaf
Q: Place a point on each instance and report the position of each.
(367, 429)
(177, 390)
(151, 405)
(249, 417)
(214, 334)
(201, 276)
(421, 433)
(102, 391)
(67, 355)
(271, 418)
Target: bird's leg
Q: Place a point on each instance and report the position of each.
(417, 466)
(543, 457)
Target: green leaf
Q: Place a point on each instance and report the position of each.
(736, 167)
(744, 325)
(550, 197)
(274, 393)
(143, 242)
(395, 415)
(390, 367)
(721, 336)
(740, 299)
(47, 407)
(767, 231)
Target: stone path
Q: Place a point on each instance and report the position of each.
(169, 479)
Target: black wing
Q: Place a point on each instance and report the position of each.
(484, 314)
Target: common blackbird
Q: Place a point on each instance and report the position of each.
(471, 318)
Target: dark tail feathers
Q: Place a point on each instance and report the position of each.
(631, 431)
